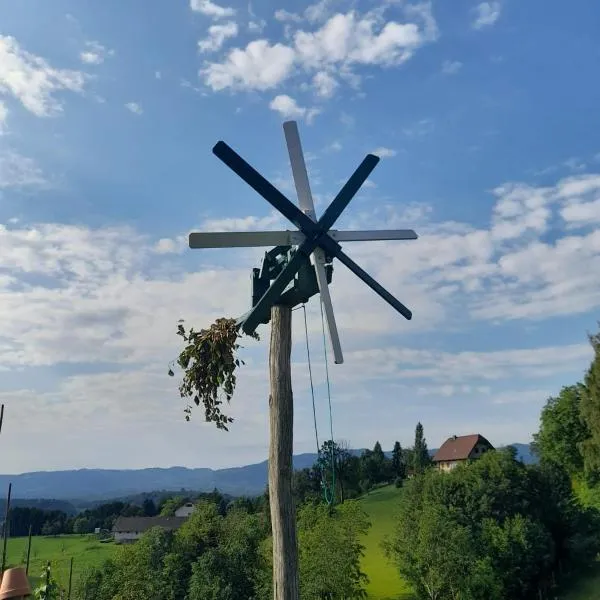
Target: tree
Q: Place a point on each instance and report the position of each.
(149, 507)
(230, 569)
(343, 468)
(398, 465)
(421, 458)
(330, 551)
(562, 430)
(306, 485)
(590, 413)
(493, 529)
(170, 505)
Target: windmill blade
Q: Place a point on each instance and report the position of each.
(250, 239)
(305, 201)
(376, 287)
(364, 236)
(244, 239)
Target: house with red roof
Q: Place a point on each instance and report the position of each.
(459, 449)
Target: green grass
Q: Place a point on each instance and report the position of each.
(385, 582)
(85, 550)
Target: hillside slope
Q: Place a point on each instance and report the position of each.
(384, 581)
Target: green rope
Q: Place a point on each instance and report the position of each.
(332, 489)
(328, 493)
(312, 387)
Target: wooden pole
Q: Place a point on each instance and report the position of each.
(28, 550)
(281, 417)
(70, 579)
(5, 541)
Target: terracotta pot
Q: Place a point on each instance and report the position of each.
(14, 584)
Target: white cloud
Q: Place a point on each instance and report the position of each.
(72, 295)
(286, 16)
(3, 116)
(472, 368)
(341, 43)
(257, 26)
(486, 14)
(324, 84)
(95, 53)
(134, 107)
(318, 11)
(32, 81)
(217, 35)
(288, 108)
(18, 171)
(451, 67)
(420, 128)
(259, 66)
(384, 152)
(348, 39)
(206, 7)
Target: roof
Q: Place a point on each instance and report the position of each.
(459, 447)
(140, 524)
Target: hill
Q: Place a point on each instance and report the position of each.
(385, 582)
(85, 485)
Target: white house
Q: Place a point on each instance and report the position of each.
(186, 510)
(129, 529)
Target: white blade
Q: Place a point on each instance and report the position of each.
(305, 201)
(248, 239)
(238, 239)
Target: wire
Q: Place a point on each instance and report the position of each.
(331, 500)
(312, 387)
(328, 492)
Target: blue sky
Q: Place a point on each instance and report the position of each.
(485, 117)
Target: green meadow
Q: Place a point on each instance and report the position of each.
(85, 550)
(384, 584)
(384, 581)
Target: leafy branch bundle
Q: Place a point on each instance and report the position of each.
(209, 361)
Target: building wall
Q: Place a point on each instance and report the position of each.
(447, 465)
(122, 537)
(184, 511)
(479, 450)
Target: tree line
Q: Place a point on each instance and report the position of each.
(227, 555)
(350, 475)
(103, 517)
(569, 434)
(501, 530)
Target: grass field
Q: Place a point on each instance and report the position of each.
(85, 550)
(385, 582)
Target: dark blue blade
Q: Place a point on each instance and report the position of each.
(268, 191)
(376, 287)
(339, 203)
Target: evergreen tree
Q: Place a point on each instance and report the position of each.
(398, 466)
(420, 453)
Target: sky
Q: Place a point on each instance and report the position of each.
(485, 117)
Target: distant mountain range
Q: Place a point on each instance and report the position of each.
(87, 485)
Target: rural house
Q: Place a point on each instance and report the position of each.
(458, 449)
(130, 529)
(186, 510)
